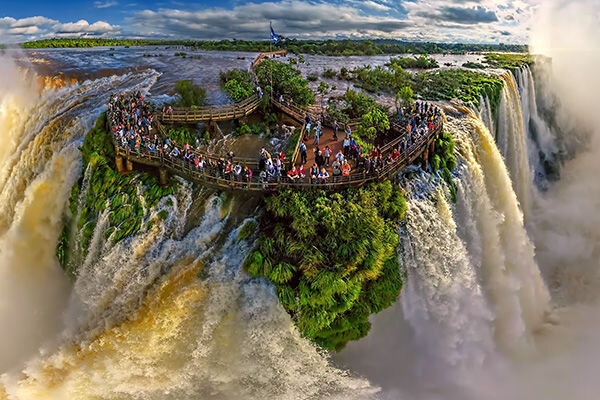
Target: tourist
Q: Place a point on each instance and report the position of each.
(346, 146)
(317, 133)
(323, 176)
(345, 168)
(336, 167)
(319, 157)
(247, 174)
(237, 172)
(327, 155)
(335, 127)
(302, 172)
(293, 174)
(302, 153)
(228, 170)
(314, 174)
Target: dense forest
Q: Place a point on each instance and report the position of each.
(324, 47)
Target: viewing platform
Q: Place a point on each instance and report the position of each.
(212, 173)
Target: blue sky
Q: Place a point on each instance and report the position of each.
(480, 21)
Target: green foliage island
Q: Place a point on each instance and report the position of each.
(421, 62)
(331, 257)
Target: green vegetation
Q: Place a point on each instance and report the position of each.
(247, 230)
(327, 47)
(379, 79)
(404, 96)
(445, 161)
(127, 198)
(191, 94)
(373, 123)
(508, 61)
(467, 86)
(237, 84)
(421, 62)
(181, 135)
(464, 85)
(473, 65)
(329, 73)
(286, 80)
(351, 105)
(312, 78)
(331, 257)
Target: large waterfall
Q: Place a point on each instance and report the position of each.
(166, 314)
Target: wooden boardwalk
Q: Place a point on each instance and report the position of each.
(211, 175)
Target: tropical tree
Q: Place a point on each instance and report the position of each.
(373, 123)
(404, 96)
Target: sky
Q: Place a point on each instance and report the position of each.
(465, 21)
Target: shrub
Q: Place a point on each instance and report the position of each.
(191, 94)
(237, 84)
(286, 80)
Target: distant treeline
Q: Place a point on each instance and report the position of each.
(323, 47)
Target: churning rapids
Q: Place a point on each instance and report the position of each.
(499, 302)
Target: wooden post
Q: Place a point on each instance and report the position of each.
(129, 165)
(425, 158)
(432, 149)
(163, 177)
(119, 163)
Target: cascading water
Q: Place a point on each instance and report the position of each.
(474, 297)
(512, 140)
(163, 314)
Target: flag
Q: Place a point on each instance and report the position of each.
(274, 36)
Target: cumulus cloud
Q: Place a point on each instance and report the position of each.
(82, 27)
(17, 30)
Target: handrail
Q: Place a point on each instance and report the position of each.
(211, 176)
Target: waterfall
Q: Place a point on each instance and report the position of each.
(165, 314)
(489, 222)
(486, 114)
(512, 141)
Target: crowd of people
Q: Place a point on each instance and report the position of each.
(131, 121)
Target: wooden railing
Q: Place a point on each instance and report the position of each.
(212, 176)
(211, 113)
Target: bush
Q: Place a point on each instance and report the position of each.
(191, 94)
(421, 62)
(237, 84)
(329, 73)
(286, 80)
(312, 78)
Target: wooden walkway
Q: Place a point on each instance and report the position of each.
(212, 176)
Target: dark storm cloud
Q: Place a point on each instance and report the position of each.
(468, 16)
